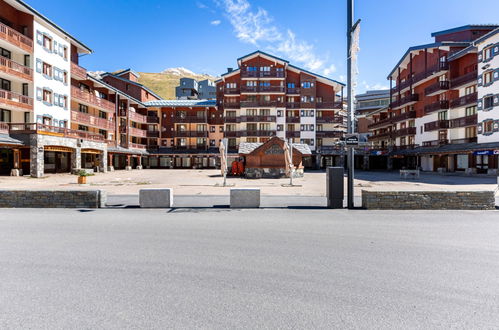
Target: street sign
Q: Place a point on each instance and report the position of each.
(352, 139)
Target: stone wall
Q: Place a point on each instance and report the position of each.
(52, 198)
(428, 200)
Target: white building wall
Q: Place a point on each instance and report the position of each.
(308, 120)
(486, 65)
(55, 58)
(425, 136)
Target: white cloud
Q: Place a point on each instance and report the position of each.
(216, 22)
(374, 86)
(201, 5)
(257, 27)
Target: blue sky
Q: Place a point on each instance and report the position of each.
(207, 36)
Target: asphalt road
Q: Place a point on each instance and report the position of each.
(221, 268)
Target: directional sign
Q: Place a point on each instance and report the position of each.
(352, 139)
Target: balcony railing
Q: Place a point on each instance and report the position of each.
(31, 128)
(153, 134)
(4, 128)
(232, 91)
(137, 145)
(293, 105)
(380, 123)
(232, 105)
(329, 134)
(404, 100)
(439, 105)
(16, 38)
(258, 118)
(247, 104)
(152, 120)
(190, 119)
(86, 119)
(464, 121)
(403, 116)
(231, 133)
(464, 100)
(422, 75)
(386, 134)
(91, 99)
(15, 69)
(464, 79)
(16, 100)
(262, 89)
(438, 86)
(435, 143)
(292, 119)
(257, 133)
(292, 134)
(464, 140)
(137, 132)
(273, 73)
(404, 131)
(330, 120)
(191, 133)
(293, 90)
(137, 117)
(436, 125)
(232, 119)
(78, 72)
(328, 105)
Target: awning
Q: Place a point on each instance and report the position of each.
(91, 151)
(58, 148)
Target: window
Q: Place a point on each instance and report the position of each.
(470, 110)
(231, 85)
(64, 102)
(103, 132)
(5, 116)
(25, 89)
(470, 132)
(306, 84)
(47, 42)
(488, 102)
(201, 128)
(65, 77)
(82, 108)
(264, 112)
(280, 127)
(5, 84)
(265, 68)
(102, 114)
(442, 135)
(307, 127)
(212, 143)
(487, 53)
(47, 96)
(5, 53)
(488, 126)
(307, 113)
(291, 85)
(65, 52)
(470, 90)
(27, 117)
(264, 83)
(252, 68)
(83, 128)
(487, 78)
(442, 115)
(251, 83)
(264, 127)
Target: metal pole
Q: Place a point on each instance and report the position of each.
(350, 126)
(224, 141)
(291, 170)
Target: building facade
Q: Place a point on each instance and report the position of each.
(370, 101)
(191, 89)
(432, 120)
(266, 96)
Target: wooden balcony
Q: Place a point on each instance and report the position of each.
(464, 100)
(441, 66)
(137, 146)
(86, 119)
(232, 91)
(436, 125)
(273, 73)
(438, 87)
(439, 105)
(4, 128)
(262, 89)
(292, 119)
(35, 128)
(232, 105)
(464, 121)
(330, 120)
(380, 123)
(464, 79)
(328, 105)
(190, 119)
(78, 72)
(191, 134)
(257, 133)
(15, 38)
(18, 101)
(464, 140)
(292, 134)
(293, 105)
(152, 120)
(405, 100)
(153, 134)
(404, 132)
(137, 117)
(232, 119)
(260, 103)
(250, 119)
(91, 99)
(435, 143)
(294, 91)
(381, 135)
(231, 133)
(329, 134)
(15, 69)
(137, 132)
(403, 116)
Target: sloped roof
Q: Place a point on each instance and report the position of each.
(108, 74)
(6, 139)
(181, 103)
(464, 28)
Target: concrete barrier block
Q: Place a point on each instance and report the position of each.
(156, 198)
(245, 197)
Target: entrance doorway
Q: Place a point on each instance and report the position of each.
(482, 163)
(6, 161)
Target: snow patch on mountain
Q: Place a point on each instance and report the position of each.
(180, 71)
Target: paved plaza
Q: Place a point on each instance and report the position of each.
(249, 269)
(208, 182)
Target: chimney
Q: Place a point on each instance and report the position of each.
(229, 70)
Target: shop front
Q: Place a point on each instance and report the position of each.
(91, 158)
(57, 159)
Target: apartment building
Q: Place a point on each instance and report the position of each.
(267, 96)
(369, 102)
(431, 121)
(189, 134)
(191, 89)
